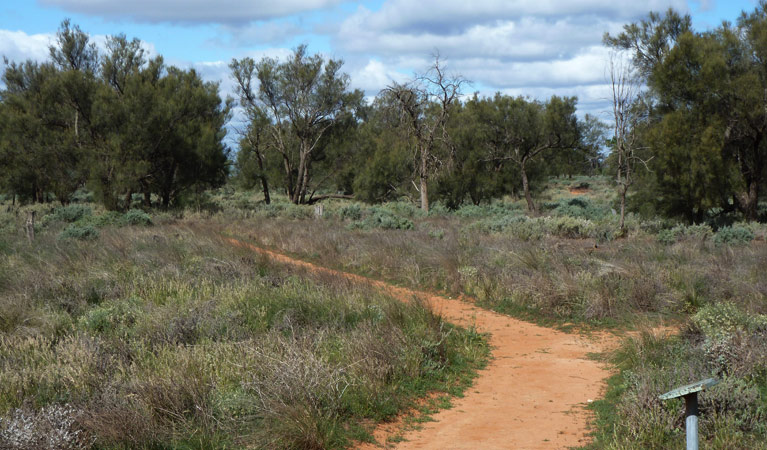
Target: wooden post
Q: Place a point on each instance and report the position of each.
(30, 227)
(318, 211)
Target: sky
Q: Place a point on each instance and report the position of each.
(535, 48)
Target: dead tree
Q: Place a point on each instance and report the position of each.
(625, 88)
(425, 104)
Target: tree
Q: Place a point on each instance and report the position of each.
(713, 84)
(303, 98)
(120, 122)
(425, 103)
(624, 88)
(520, 130)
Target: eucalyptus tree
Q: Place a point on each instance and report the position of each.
(303, 98)
(425, 104)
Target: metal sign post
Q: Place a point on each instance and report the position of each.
(690, 394)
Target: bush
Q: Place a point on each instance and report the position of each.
(109, 218)
(70, 213)
(80, 232)
(734, 235)
(137, 217)
(351, 212)
(684, 232)
(578, 207)
(493, 209)
(382, 218)
(498, 224)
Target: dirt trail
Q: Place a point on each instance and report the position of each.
(531, 395)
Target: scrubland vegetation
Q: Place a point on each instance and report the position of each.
(99, 327)
(165, 336)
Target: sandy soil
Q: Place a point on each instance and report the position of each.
(579, 191)
(532, 394)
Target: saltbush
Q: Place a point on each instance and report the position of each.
(384, 219)
(83, 232)
(579, 207)
(137, 217)
(734, 235)
(684, 232)
(70, 213)
(351, 212)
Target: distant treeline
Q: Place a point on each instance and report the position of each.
(686, 137)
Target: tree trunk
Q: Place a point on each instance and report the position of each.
(128, 199)
(424, 181)
(147, 199)
(299, 188)
(749, 200)
(265, 188)
(264, 184)
(623, 207)
(424, 194)
(526, 188)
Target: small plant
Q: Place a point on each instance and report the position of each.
(684, 233)
(734, 235)
(137, 217)
(437, 234)
(70, 213)
(382, 218)
(82, 232)
(351, 212)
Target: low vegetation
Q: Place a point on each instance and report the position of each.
(166, 336)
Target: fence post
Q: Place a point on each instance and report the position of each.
(30, 227)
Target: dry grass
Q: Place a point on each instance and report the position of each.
(166, 336)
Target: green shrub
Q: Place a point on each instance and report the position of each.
(499, 224)
(384, 219)
(70, 213)
(109, 218)
(579, 207)
(80, 232)
(405, 209)
(684, 232)
(351, 212)
(734, 235)
(137, 217)
(493, 209)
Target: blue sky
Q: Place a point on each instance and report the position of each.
(520, 47)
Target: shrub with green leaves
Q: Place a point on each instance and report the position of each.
(83, 232)
(383, 219)
(680, 232)
(70, 213)
(734, 235)
(351, 212)
(137, 217)
(579, 207)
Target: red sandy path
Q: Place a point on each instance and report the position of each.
(531, 395)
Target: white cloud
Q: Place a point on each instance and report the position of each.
(531, 47)
(447, 16)
(373, 76)
(19, 46)
(191, 11)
